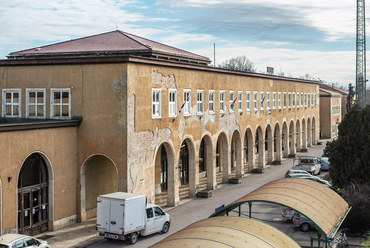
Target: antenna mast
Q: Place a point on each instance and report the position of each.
(361, 54)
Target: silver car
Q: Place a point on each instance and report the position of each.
(291, 173)
(19, 240)
(302, 222)
(287, 213)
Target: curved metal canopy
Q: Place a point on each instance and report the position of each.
(227, 231)
(322, 205)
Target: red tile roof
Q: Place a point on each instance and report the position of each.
(114, 41)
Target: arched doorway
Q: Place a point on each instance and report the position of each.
(309, 133)
(285, 140)
(164, 170)
(314, 131)
(236, 155)
(304, 134)
(292, 143)
(260, 151)
(205, 167)
(222, 157)
(298, 136)
(248, 147)
(277, 144)
(184, 164)
(99, 176)
(269, 144)
(33, 196)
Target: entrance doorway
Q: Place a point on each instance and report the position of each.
(33, 205)
(184, 160)
(164, 167)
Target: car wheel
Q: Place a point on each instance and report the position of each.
(166, 227)
(133, 238)
(305, 227)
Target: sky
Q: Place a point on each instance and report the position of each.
(295, 37)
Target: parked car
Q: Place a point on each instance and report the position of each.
(287, 213)
(325, 163)
(291, 173)
(319, 180)
(309, 164)
(19, 240)
(303, 222)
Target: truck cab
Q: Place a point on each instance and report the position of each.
(309, 164)
(156, 220)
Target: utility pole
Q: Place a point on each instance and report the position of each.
(361, 54)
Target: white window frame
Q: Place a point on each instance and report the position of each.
(172, 103)
(279, 100)
(36, 104)
(315, 99)
(187, 101)
(231, 100)
(268, 100)
(222, 101)
(289, 100)
(211, 101)
(158, 104)
(305, 99)
(255, 100)
(262, 96)
(309, 100)
(240, 101)
(302, 99)
(200, 102)
(19, 104)
(52, 91)
(293, 99)
(274, 100)
(248, 101)
(284, 100)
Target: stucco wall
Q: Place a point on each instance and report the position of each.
(58, 148)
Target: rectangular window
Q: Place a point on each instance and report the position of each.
(255, 100)
(268, 100)
(262, 100)
(11, 102)
(315, 99)
(305, 99)
(231, 101)
(211, 101)
(187, 101)
(248, 103)
(301, 99)
(274, 100)
(35, 103)
(156, 103)
(284, 100)
(293, 98)
(309, 99)
(297, 100)
(200, 100)
(172, 102)
(289, 100)
(240, 101)
(279, 100)
(222, 101)
(60, 105)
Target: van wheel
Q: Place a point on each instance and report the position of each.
(166, 227)
(133, 238)
(305, 227)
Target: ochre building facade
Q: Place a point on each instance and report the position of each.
(144, 118)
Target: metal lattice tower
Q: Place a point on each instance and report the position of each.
(361, 54)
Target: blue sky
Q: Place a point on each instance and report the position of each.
(295, 37)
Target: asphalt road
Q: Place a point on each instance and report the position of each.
(201, 208)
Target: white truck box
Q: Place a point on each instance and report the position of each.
(121, 213)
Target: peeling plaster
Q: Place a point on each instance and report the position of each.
(119, 90)
(166, 82)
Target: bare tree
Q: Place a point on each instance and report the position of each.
(240, 63)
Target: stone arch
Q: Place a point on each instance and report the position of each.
(191, 165)
(236, 153)
(166, 177)
(304, 134)
(205, 165)
(309, 132)
(298, 135)
(285, 140)
(99, 175)
(260, 147)
(314, 137)
(249, 148)
(269, 144)
(222, 154)
(277, 143)
(45, 184)
(292, 144)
